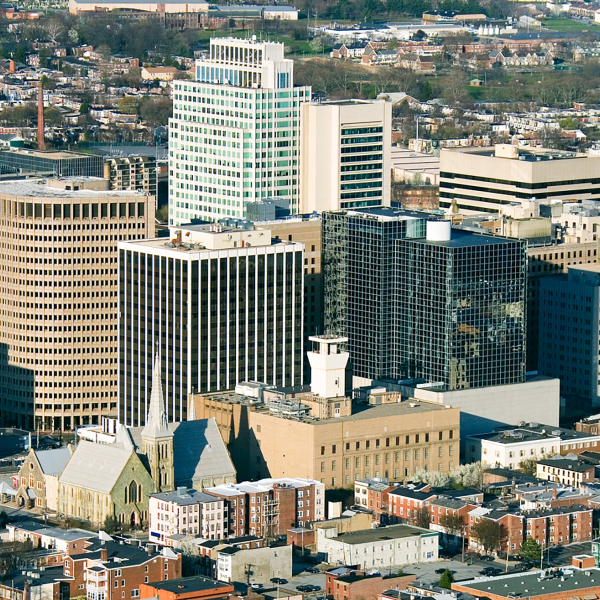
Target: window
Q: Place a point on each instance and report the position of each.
(135, 593)
(322, 467)
(322, 450)
(333, 449)
(166, 566)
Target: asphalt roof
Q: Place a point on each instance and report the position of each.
(393, 532)
(532, 584)
(186, 585)
(186, 498)
(567, 464)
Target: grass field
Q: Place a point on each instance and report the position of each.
(568, 25)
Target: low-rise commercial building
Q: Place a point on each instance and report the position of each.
(380, 548)
(508, 446)
(186, 588)
(356, 586)
(255, 565)
(552, 584)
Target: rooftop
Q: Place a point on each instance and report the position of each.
(531, 432)
(567, 464)
(559, 582)
(185, 497)
(392, 532)
(39, 188)
(59, 155)
(186, 585)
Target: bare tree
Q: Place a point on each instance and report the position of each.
(54, 28)
(452, 524)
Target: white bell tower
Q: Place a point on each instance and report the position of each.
(328, 366)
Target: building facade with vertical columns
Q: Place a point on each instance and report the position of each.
(225, 305)
(58, 299)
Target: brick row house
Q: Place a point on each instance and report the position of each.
(111, 570)
(269, 507)
(550, 527)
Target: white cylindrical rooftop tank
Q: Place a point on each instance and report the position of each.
(439, 231)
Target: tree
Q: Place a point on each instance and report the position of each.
(488, 533)
(446, 580)
(110, 524)
(531, 549)
(3, 519)
(529, 465)
(569, 123)
(452, 524)
(128, 105)
(420, 517)
(54, 28)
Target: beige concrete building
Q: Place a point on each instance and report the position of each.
(59, 328)
(345, 149)
(306, 230)
(160, 73)
(388, 440)
(486, 179)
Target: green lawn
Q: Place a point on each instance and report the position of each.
(568, 25)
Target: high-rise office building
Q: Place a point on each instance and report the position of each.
(487, 179)
(224, 305)
(569, 346)
(234, 135)
(58, 262)
(345, 149)
(418, 300)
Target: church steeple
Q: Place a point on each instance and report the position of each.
(157, 437)
(156, 421)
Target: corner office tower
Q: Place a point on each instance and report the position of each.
(234, 134)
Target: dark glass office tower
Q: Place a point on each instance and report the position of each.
(221, 315)
(459, 310)
(446, 311)
(358, 282)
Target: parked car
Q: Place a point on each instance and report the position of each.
(312, 570)
(314, 588)
(443, 570)
(488, 558)
(490, 571)
(304, 588)
(473, 555)
(522, 566)
(256, 586)
(278, 580)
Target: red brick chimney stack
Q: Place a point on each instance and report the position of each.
(40, 131)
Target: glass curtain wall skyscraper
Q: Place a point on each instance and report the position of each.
(234, 134)
(445, 310)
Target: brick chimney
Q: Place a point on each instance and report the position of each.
(26, 593)
(12, 67)
(40, 131)
(103, 554)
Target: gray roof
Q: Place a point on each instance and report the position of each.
(52, 462)
(198, 451)
(186, 498)
(96, 466)
(393, 532)
(533, 584)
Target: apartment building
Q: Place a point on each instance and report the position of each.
(264, 563)
(567, 470)
(269, 507)
(186, 588)
(486, 179)
(234, 134)
(110, 570)
(136, 173)
(58, 263)
(225, 305)
(345, 154)
(557, 526)
(185, 512)
(373, 494)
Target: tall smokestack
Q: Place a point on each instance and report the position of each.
(40, 132)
